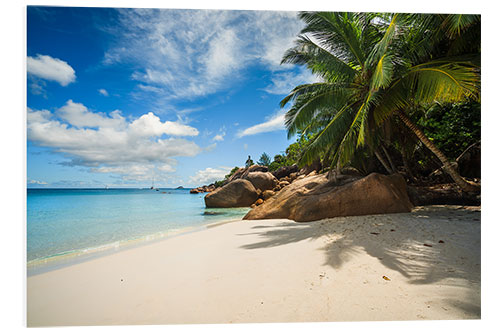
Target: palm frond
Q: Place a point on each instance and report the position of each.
(456, 24)
(339, 31)
(330, 137)
(319, 60)
(382, 74)
(448, 82)
(308, 106)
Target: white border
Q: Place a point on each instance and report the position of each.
(13, 97)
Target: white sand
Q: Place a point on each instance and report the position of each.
(278, 271)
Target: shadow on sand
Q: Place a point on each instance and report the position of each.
(431, 244)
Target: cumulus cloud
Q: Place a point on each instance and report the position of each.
(192, 53)
(150, 125)
(275, 123)
(135, 149)
(103, 92)
(78, 115)
(209, 175)
(51, 69)
(218, 137)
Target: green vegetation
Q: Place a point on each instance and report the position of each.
(292, 154)
(396, 93)
(380, 75)
(219, 183)
(264, 159)
(452, 127)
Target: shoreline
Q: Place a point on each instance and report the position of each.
(278, 271)
(73, 257)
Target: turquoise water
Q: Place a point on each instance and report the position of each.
(65, 223)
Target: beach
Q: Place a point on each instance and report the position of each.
(422, 265)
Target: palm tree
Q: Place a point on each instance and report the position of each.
(264, 159)
(373, 67)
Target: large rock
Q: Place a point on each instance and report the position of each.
(262, 180)
(254, 168)
(241, 173)
(315, 166)
(314, 198)
(285, 171)
(267, 194)
(236, 175)
(238, 193)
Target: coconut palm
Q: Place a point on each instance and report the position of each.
(373, 67)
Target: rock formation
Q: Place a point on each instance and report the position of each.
(315, 197)
(238, 193)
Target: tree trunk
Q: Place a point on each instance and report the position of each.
(464, 185)
(393, 167)
(383, 162)
(407, 165)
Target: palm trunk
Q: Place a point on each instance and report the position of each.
(407, 165)
(382, 161)
(393, 167)
(464, 185)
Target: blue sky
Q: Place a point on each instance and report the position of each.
(118, 96)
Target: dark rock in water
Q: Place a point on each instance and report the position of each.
(202, 189)
(238, 193)
(314, 198)
(212, 213)
(285, 171)
(179, 188)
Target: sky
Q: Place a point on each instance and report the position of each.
(121, 97)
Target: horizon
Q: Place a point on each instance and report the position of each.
(117, 97)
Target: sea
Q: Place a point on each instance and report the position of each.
(65, 226)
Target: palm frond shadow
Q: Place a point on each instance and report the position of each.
(396, 240)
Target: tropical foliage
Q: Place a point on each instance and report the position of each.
(374, 68)
(264, 159)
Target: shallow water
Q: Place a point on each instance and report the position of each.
(72, 222)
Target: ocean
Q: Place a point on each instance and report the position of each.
(64, 225)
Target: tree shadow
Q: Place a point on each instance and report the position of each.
(431, 244)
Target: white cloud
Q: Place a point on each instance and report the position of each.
(52, 69)
(135, 149)
(78, 115)
(166, 168)
(150, 125)
(275, 123)
(283, 83)
(36, 182)
(211, 147)
(218, 137)
(103, 92)
(191, 53)
(209, 175)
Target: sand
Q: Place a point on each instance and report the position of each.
(278, 271)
